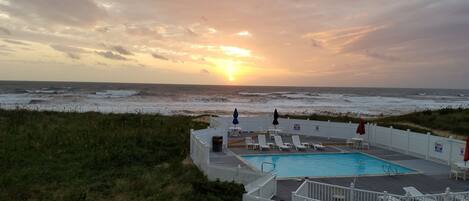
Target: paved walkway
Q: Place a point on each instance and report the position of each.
(433, 177)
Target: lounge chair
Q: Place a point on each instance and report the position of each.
(349, 142)
(296, 142)
(250, 143)
(412, 191)
(279, 142)
(318, 147)
(262, 142)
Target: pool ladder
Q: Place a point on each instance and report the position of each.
(390, 171)
(265, 162)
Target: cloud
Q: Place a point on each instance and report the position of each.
(66, 12)
(204, 71)
(339, 39)
(244, 34)
(16, 42)
(65, 48)
(5, 49)
(142, 31)
(73, 55)
(5, 31)
(381, 56)
(121, 50)
(157, 56)
(71, 52)
(191, 32)
(110, 55)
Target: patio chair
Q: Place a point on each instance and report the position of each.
(250, 143)
(365, 144)
(413, 192)
(296, 142)
(262, 142)
(457, 172)
(319, 147)
(279, 142)
(272, 135)
(338, 194)
(389, 198)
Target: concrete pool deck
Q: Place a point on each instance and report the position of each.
(433, 176)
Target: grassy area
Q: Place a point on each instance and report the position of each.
(454, 121)
(444, 122)
(92, 156)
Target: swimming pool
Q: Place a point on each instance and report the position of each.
(325, 165)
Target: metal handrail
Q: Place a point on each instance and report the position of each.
(265, 162)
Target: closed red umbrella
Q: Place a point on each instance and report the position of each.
(361, 127)
(466, 150)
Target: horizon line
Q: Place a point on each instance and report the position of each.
(227, 85)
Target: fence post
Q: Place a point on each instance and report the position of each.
(390, 136)
(408, 141)
(450, 152)
(191, 148)
(447, 194)
(352, 189)
(428, 146)
(385, 196)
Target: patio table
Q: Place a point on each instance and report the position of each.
(357, 142)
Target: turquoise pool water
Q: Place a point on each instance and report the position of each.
(325, 165)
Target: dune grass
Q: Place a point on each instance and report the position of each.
(454, 121)
(92, 156)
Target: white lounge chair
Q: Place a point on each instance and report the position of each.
(250, 143)
(318, 147)
(296, 142)
(279, 142)
(412, 191)
(262, 142)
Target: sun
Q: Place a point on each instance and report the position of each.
(230, 71)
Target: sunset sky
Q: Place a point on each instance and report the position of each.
(371, 43)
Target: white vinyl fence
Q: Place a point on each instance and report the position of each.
(426, 146)
(261, 187)
(316, 191)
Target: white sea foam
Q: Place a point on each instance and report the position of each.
(115, 93)
(123, 101)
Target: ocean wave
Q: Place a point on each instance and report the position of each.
(115, 93)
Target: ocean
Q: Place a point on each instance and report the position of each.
(221, 100)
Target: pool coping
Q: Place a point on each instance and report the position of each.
(240, 157)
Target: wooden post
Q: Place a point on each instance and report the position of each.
(352, 189)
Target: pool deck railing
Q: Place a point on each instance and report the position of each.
(311, 190)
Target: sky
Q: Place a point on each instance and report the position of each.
(360, 43)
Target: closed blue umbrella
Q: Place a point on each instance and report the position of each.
(275, 122)
(235, 117)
